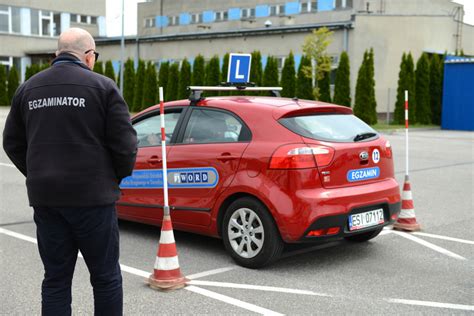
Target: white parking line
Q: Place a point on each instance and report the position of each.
(7, 165)
(430, 245)
(210, 272)
(195, 289)
(230, 300)
(256, 287)
(469, 242)
(431, 304)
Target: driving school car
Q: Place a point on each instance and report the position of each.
(260, 172)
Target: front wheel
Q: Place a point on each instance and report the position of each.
(250, 235)
(365, 236)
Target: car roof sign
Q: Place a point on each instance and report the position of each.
(239, 68)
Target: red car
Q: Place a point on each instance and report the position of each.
(260, 172)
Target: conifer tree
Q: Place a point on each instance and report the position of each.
(224, 72)
(129, 82)
(362, 104)
(139, 82)
(172, 87)
(213, 73)
(28, 72)
(371, 87)
(198, 75)
(270, 75)
(150, 86)
(13, 83)
(36, 68)
(184, 79)
(324, 83)
(163, 75)
(342, 89)
(399, 116)
(304, 85)
(412, 103)
(435, 89)
(99, 67)
(288, 77)
(422, 91)
(3, 86)
(45, 66)
(109, 70)
(256, 68)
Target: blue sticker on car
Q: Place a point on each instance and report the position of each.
(363, 174)
(177, 178)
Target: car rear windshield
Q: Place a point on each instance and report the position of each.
(330, 127)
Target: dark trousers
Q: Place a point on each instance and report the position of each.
(62, 232)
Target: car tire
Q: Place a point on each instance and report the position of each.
(250, 234)
(364, 236)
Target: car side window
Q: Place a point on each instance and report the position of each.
(149, 129)
(210, 126)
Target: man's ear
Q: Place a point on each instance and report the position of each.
(57, 53)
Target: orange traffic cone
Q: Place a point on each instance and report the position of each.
(167, 274)
(407, 220)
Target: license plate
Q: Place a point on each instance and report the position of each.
(366, 219)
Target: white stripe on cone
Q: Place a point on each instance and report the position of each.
(166, 263)
(407, 195)
(407, 213)
(167, 237)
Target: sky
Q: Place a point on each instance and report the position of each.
(114, 22)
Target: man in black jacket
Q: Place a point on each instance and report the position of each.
(69, 133)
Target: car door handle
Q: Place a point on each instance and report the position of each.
(226, 157)
(153, 160)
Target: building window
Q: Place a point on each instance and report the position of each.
(34, 15)
(314, 6)
(46, 23)
(16, 20)
(248, 13)
(4, 18)
(84, 19)
(74, 18)
(150, 22)
(276, 10)
(222, 16)
(93, 20)
(174, 20)
(305, 7)
(196, 18)
(57, 24)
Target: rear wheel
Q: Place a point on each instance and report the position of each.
(250, 235)
(365, 236)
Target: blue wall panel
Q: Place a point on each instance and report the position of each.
(325, 5)
(458, 94)
(262, 11)
(184, 18)
(292, 8)
(161, 21)
(234, 14)
(208, 16)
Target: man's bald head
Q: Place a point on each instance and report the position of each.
(75, 40)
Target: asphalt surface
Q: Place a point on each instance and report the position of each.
(427, 274)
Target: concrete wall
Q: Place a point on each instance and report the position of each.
(86, 7)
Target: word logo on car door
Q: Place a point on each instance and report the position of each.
(177, 178)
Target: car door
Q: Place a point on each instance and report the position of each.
(142, 192)
(204, 162)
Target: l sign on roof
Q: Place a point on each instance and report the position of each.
(239, 68)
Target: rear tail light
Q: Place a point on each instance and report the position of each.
(300, 156)
(388, 149)
(323, 232)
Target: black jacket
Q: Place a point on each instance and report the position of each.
(69, 133)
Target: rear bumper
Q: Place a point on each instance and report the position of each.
(312, 209)
(391, 212)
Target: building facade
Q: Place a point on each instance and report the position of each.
(171, 30)
(29, 29)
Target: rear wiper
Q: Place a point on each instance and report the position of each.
(362, 136)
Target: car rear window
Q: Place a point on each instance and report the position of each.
(329, 127)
